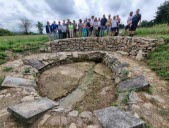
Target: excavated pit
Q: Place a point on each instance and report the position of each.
(82, 85)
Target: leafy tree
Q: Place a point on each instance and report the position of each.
(25, 25)
(5, 32)
(162, 15)
(146, 23)
(121, 26)
(39, 25)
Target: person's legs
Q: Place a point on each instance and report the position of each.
(99, 31)
(54, 35)
(71, 35)
(102, 31)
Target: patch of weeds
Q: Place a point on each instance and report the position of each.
(148, 90)
(7, 69)
(18, 49)
(1, 80)
(116, 94)
(125, 72)
(147, 126)
(114, 104)
(3, 55)
(126, 97)
(27, 70)
(2, 61)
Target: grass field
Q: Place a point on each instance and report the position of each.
(158, 60)
(20, 44)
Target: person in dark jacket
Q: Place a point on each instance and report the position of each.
(49, 30)
(103, 25)
(55, 30)
(135, 21)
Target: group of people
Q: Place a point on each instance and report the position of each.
(92, 27)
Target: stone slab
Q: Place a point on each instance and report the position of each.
(112, 117)
(19, 82)
(28, 111)
(34, 63)
(136, 83)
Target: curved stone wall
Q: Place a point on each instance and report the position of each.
(131, 46)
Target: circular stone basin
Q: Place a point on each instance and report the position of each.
(78, 83)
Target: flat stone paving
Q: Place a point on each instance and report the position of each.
(136, 83)
(27, 111)
(34, 63)
(19, 82)
(112, 117)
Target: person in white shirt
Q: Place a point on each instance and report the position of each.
(99, 27)
(129, 21)
(95, 27)
(59, 30)
(91, 25)
(114, 25)
(64, 30)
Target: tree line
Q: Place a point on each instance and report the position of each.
(162, 16)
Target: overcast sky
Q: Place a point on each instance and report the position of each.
(42, 10)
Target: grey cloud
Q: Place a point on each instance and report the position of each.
(62, 7)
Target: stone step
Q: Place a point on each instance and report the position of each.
(19, 82)
(28, 111)
(136, 83)
(112, 117)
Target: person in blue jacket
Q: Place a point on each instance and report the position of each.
(49, 30)
(55, 30)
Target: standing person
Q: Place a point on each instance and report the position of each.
(114, 25)
(54, 29)
(49, 30)
(59, 30)
(80, 26)
(129, 21)
(108, 25)
(136, 19)
(99, 27)
(91, 25)
(119, 21)
(74, 28)
(64, 30)
(88, 28)
(84, 30)
(103, 25)
(70, 27)
(67, 24)
(95, 27)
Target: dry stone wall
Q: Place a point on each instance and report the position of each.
(132, 46)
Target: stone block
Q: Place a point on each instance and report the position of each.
(28, 111)
(19, 82)
(112, 117)
(34, 63)
(136, 83)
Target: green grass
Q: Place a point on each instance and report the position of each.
(158, 60)
(22, 43)
(7, 69)
(3, 57)
(162, 29)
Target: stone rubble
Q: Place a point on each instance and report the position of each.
(119, 69)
